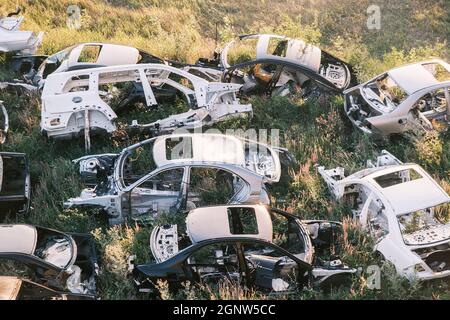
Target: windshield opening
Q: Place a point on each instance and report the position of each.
(53, 62)
(385, 94)
(137, 163)
(54, 248)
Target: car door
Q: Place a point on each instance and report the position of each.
(156, 194)
(14, 184)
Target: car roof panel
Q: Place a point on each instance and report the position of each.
(213, 222)
(18, 238)
(412, 78)
(204, 148)
(412, 195)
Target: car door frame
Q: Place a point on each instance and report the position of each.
(34, 263)
(189, 274)
(209, 166)
(302, 265)
(373, 194)
(26, 194)
(129, 190)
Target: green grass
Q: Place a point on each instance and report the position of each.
(315, 133)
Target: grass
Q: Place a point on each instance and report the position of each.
(316, 132)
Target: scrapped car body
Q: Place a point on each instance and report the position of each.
(12, 39)
(14, 288)
(407, 98)
(279, 65)
(405, 211)
(83, 56)
(4, 123)
(60, 260)
(15, 187)
(271, 250)
(165, 175)
(75, 101)
(178, 148)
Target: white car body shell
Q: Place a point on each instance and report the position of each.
(395, 201)
(67, 111)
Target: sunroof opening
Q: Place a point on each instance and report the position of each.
(242, 221)
(397, 177)
(179, 148)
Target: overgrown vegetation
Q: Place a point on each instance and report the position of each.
(316, 132)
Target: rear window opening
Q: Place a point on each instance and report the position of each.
(385, 94)
(54, 248)
(397, 177)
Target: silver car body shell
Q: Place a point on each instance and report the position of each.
(253, 191)
(416, 82)
(258, 157)
(65, 114)
(12, 39)
(393, 202)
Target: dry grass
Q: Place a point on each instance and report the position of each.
(315, 132)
